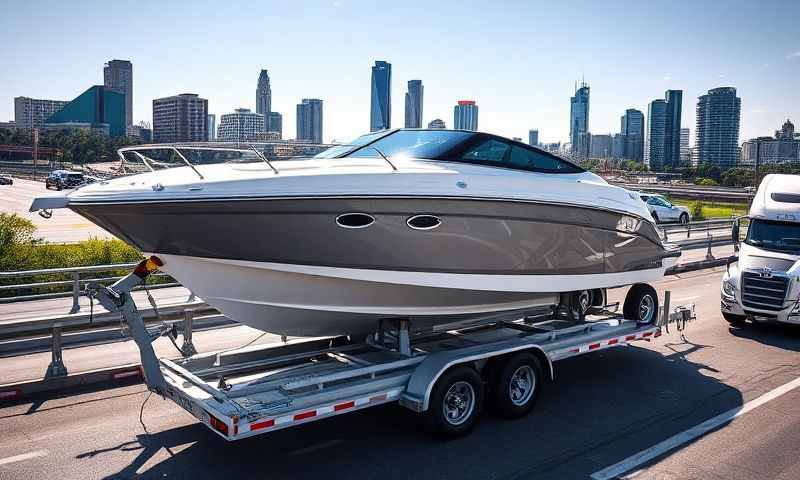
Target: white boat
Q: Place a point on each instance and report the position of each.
(432, 225)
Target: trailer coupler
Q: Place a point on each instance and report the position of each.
(117, 298)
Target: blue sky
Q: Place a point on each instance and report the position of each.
(518, 60)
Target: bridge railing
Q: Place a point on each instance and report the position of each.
(64, 282)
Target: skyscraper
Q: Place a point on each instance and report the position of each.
(380, 114)
(601, 146)
(437, 123)
(180, 118)
(264, 98)
(465, 115)
(685, 151)
(632, 130)
(275, 123)
(654, 154)
(672, 129)
(533, 137)
(579, 121)
(242, 125)
(717, 127)
(309, 120)
(664, 132)
(33, 112)
(211, 127)
(118, 76)
(414, 104)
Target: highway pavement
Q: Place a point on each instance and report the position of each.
(603, 409)
(63, 227)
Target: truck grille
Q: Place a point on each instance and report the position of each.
(763, 293)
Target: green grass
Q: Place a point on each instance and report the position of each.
(712, 209)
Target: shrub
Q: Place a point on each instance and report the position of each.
(696, 208)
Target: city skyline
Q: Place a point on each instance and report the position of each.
(517, 96)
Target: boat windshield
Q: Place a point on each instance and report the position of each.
(431, 144)
(462, 146)
(772, 235)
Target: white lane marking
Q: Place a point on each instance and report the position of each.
(24, 456)
(686, 436)
(314, 448)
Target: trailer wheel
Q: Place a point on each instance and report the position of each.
(517, 386)
(641, 303)
(456, 402)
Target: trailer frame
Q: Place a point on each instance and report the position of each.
(264, 388)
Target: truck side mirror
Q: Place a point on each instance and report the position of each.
(735, 235)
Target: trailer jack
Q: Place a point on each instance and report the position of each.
(117, 298)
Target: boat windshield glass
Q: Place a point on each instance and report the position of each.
(464, 147)
(414, 144)
(772, 235)
(342, 150)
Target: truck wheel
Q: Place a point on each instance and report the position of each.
(456, 402)
(517, 386)
(737, 320)
(641, 303)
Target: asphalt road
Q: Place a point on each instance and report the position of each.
(603, 408)
(63, 227)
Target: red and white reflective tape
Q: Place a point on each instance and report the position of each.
(9, 394)
(611, 342)
(333, 409)
(137, 372)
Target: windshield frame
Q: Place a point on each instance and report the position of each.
(771, 246)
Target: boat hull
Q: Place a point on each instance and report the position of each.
(286, 266)
(298, 300)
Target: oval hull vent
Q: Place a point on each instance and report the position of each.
(424, 222)
(355, 220)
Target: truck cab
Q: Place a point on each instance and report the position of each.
(762, 282)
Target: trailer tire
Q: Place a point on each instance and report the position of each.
(517, 386)
(641, 303)
(455, 403)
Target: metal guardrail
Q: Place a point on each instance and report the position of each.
(717, 232)
(76, 282)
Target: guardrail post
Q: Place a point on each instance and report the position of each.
(76, 292)
(56, 367)
(688, 229)
(709, 255)
(187, 349)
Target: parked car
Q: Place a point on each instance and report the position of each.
(663, 210)
(750, 189)
(61, 179)
(6, 180)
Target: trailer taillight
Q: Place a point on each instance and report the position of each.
(218, 424)
(147, 266)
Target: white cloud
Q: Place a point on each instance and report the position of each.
(667, 78)
(721, 75)
(758, 110)
(793, 55)
(337, 4)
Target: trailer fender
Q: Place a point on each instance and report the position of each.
(418, 391)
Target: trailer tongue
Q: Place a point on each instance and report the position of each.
(444, 375)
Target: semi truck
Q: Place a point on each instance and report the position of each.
(761, 282)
